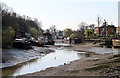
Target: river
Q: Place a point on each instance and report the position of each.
(59, 57)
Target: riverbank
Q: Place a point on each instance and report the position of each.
(96, 65)
(12, 57)
(101, 65)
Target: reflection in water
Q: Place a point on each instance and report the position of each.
(84, 55)
(87, 55)
(9, 71)
(59, 57)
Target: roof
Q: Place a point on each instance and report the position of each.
(108, 26)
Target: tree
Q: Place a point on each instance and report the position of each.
(83, 26)
(8, 36)
(34, 32)
(12, 21)
(67, 32)
(76, 34)
(91, 27)
(88, 33)
(39, 24)
(53, 31)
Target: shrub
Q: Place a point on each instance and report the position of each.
(67, 32)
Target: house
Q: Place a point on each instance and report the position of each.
(96, 30)
(105, 30)
(108, 30)
(118, 30)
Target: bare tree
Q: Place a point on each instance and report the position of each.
(99, 21)
(92, 27)
(6, 8)
(53, 31)
(52, 28)
(83, 26)
(39, 24)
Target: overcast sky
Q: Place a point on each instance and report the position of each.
(66, 13)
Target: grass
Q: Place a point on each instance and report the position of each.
(74, 71)
(115, 56)
(108, 64)
(97, 68)
(116, 60)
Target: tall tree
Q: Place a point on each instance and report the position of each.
(99, 21)
(53, 31)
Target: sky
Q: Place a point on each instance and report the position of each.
(119, 13)
(66, 13)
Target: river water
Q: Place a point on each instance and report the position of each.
(59, 57)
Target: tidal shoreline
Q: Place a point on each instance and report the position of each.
(15, 57)
(78, 67)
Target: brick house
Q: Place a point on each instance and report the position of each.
(96, 30)
(108, 30)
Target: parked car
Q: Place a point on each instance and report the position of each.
(41, 40)
(21, 43)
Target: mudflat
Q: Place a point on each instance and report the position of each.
(100, 64)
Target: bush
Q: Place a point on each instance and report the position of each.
(89, 33)
(67, 32)
(72, 36)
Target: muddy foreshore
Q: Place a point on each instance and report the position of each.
(97, 65)
(15, 57)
